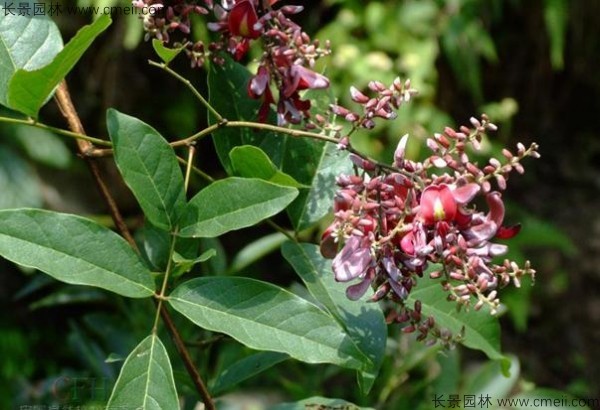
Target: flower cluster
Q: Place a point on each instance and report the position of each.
(289, 54)
(288, 58)
(383, 105)
(393, 222)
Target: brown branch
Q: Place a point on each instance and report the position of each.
(187, 360)
(65, 104)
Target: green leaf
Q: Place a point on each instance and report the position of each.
(146, 379)
(73, 250)
(29, 89)
(26, 42)
(184, 265)
(227, 85)
(256, 250)
(246, 368)
(489, 379)
(231, 204)
(315, 164)
(482, 330)
(19, 186)
(149, 167)
(265, 317)
(319, 403)
(252, 162)
(43, 146)
(556, 16)
(166, 54)
(363, 321)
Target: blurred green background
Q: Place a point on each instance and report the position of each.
(531, 65)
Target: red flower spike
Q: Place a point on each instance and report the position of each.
(242, 19)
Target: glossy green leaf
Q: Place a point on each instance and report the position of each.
(231, 204)
(149, 167)
(19, 186)
(363, 321)
(319, 403)
(256, 250)
(316, 165)
(73, 250)
(482, 330)
(26, 42)
(246, 368)
(28, 89)
(252, 162)
(265, 317)
(146, 379)
(227, 86)
(166, 54)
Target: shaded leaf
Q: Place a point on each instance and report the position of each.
(246, 368)
(265, 317)
(29, 89)
(317, 165)
(256, 250)
(19, 186)
(482, 330)
(227, 85)
(363, 321)
(146, 379)
(73, 250)
(231, 204)
(149, 167)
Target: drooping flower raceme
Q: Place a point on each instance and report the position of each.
(393, 224)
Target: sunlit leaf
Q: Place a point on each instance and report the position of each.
(29, 89)
(26, 42)
(73, 250)
(149, 167)
(265, 317)
(231, 204)
(146, 379)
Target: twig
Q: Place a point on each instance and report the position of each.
(33, 123)
(187, 360)
(63, 99)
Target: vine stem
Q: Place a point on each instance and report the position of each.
(65, 104)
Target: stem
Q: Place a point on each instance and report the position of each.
(188, 169)
(187, 360)
(59, 131)
(163, 289)
(65, 104)
(190, 86)
(63, 99)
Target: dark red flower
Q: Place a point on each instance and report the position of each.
(242, 19)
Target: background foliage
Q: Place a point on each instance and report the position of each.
(529, 65)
